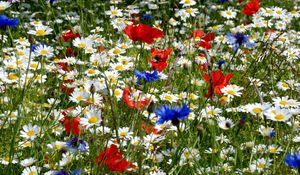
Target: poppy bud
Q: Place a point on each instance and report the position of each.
(92, 89)
(151, 107)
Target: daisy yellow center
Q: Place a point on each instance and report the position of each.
(40, 32)
(114, 12)
(283, 102)
(224, 99)
(123, 134)
(114, 80)
(231, 92)
(117, 93)
(273, 150)
(268, 11)
(20, 53)
(7, 158)
(33, 65)
(27, 144)
(279, 12)
(117, 51)
(44, 52)
(89, 50)
(187, 1)
(279, 117)
(119, 67)
(93, 119)
(186, 154)
(257, 110)
(19, 62)
(168, 97)
(12, 77)
(57, 146)
(32, 173)
(211, 112)
(125, 62)
(189, 10)
(285, 85)
(30, 133)
(82, 45)
(261, 165)
(124, 46)
(92, 71)
(35, 22)
(228, 13)
(225, 168)
(79, 98)
(90, 100)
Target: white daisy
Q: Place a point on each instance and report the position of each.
(41, 31)
(30, 132)
(92, 118)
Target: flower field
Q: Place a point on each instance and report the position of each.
(149, 87)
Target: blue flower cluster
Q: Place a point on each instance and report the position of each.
(148, 77)
(76, 144)
(166, 113)
(238, 40)
(293, 160)
(8, 22)
(63, 172)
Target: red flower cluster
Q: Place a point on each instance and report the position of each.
(71, 124)
(143, 33)
(131, 103)
(70, 35)
(160, 57)
(205, 38)
(251, 7)
(113, 159)
(219, 81)
(150, 129)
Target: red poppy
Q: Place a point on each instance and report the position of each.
(65, 66)
(197, 33)
(219, 81)
(113, 159)
(160, 57)
(131, 103)
(205, 38)
(150, 129)
(143, 32)
(70, 52)
(66, 89)
(69, 35)
(251, 7)
(71, 124)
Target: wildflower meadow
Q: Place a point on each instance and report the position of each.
(149, 87)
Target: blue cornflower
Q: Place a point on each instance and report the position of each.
(222, 1)
(221, 62)
(148, 77)
(35, 46)
(8, 22)
(238, 40)
(166, 113)
(293, 160)
(146, 16)
(272, 134)
(63, 172)
(76, 144)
